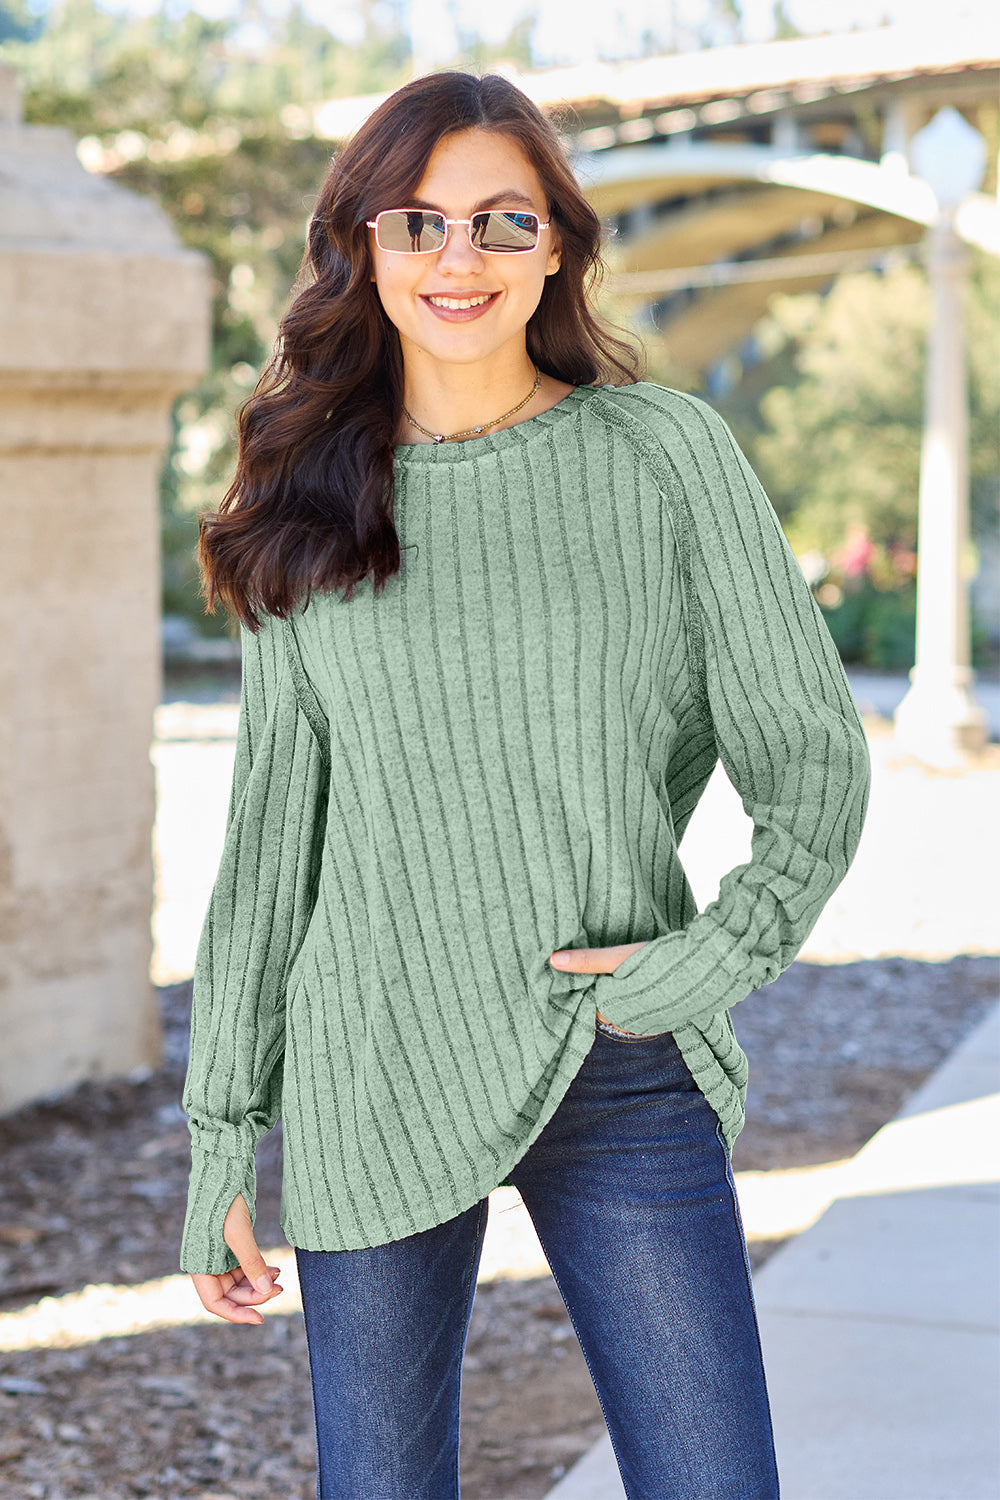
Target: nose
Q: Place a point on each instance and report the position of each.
(459, 255)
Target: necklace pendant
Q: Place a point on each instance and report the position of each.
(439, 438)
(479, 429)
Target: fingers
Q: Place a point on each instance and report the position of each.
(234, 1295)
(593, 960)
(228, 1296)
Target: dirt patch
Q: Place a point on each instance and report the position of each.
(92, 1189)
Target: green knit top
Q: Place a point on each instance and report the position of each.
(496, 757)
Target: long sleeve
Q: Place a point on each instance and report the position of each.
(785, 724)
(257, 917)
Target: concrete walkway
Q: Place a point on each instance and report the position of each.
(883, 692)
(880, 1324)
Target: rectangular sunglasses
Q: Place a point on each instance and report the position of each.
(418, 231)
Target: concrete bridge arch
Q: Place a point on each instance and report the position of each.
(778, 219)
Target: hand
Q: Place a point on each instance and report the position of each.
(593, 960)
(233, 1295)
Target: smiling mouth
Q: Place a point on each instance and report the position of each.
(461, 304)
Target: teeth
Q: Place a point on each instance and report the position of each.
(460, 302)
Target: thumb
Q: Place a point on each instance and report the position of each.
(237, 1231)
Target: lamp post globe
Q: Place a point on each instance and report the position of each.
(950, 155)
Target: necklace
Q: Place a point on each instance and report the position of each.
(450, 437)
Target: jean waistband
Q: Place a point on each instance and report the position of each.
(610, 1029)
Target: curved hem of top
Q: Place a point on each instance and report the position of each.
(691, 1053)
(493, 442)
(433, 1219)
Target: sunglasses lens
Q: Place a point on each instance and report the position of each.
(416, 231)
(412, 230)
(504, 232)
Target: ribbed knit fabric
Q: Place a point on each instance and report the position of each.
(437, 787)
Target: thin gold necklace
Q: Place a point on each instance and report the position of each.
(450, 437)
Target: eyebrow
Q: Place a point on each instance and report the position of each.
(510, 196)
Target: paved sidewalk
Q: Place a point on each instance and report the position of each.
(880, 1324)
(883, 692)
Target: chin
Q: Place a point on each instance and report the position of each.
(460, 351)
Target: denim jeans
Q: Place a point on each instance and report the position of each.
(631, 1192)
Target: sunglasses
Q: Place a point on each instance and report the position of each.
(417, 231)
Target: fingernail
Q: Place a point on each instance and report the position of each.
(559, 959)
(263, 1283)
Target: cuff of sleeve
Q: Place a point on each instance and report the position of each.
(673, 978)
(214, 1182)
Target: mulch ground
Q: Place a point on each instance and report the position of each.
(92, 1189)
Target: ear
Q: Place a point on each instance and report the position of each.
(555, 258)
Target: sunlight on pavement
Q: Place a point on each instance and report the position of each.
(958, 1145)
(511, 1252)
(105, 1311)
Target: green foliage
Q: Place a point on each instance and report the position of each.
(841, 441)
(515, 51)
(208, 118)
(832, 422)
(784, 27)
(875, 626)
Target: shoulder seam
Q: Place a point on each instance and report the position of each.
(303, 689)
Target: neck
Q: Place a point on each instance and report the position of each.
(453, 398)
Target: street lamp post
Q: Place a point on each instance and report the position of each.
(939, 718)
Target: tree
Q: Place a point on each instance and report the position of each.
(833, 426)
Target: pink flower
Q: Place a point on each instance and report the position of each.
(856, 552)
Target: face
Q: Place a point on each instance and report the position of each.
(466, 172)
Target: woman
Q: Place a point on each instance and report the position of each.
(503, 605)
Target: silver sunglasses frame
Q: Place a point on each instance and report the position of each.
(373, 224)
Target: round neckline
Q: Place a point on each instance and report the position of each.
(494, 442)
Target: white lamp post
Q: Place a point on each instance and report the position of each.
(939, 718)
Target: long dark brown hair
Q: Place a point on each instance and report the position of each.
(310, 506)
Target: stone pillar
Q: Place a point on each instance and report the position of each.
(104, 319)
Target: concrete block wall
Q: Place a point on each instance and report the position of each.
(104, 320)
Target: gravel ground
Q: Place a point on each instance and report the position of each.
(92, 1187)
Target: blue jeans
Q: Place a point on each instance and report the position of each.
(631, 1192)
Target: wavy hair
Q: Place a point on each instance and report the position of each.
(310, 506)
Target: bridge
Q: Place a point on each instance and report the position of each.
(734, 172)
